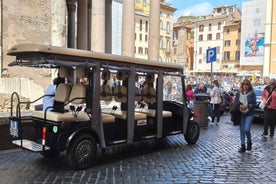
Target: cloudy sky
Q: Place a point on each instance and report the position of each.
(200, 7)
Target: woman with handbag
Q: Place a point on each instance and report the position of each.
(246, 98)
(269, 99)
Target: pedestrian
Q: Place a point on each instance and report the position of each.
(215, 94)
(49, 95)
(201, 95)
(246, 98)
(201, 88)
(190, 96)
(269, 97)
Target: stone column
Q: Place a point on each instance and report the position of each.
(128, 30)
(98, 26)
(108, 26)
(154, 30)
(71, 8)
(82, 25)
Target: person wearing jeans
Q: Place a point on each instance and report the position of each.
(246, 97)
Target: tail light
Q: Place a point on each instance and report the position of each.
(44, 131)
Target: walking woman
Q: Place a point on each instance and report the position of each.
(269, 96)
(246, 97)
(215, 94)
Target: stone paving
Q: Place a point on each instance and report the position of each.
(213, 159)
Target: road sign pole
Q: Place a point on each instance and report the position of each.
(211, 57)
(211, 73)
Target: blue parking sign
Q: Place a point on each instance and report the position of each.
(211, 55)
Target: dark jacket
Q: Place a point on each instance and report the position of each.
(235, 113)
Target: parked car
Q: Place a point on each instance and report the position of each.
(259, 113)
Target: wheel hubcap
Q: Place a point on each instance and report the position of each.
(84, 151)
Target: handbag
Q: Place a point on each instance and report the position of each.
(263, 103)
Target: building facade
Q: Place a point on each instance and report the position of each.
(183, 42)
(209, 33)
(253, 35)
(142, 28)
(231, 50)
(269, 67)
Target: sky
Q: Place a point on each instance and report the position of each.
(200, 7)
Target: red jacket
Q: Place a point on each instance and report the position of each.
(265, 96)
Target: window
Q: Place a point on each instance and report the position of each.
(200, 50)
(146, 51)
(147, 26)
(239, 30)
(200, 61)
(140, 37)
(175, 35)
(227, 43)
(175, 51)
(168, 46)
(168, 27)
(227, 56)
(134, 50)
(140, 50)
(210, 27)
(218, 49)
(218, 36)
(137, 1)
(141, 25)
(257, 10)
(161, 43)
(227, 31)
(219, 26)
(161, 24)
(145, 3)
(146, 38)
(238, 42)
(200, 38)
(209, 37)
(237, 56)
(257, 22)
(201, 28)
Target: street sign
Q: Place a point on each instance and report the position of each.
(211, 55)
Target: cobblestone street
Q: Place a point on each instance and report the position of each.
(213, 159)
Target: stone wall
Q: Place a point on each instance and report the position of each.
(27, 90)
(31, 21)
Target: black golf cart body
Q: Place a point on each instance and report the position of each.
(98, 113)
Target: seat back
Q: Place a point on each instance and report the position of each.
(137, 95)
(62, 92)
(78, 94)
(120, 94)
(105, 93)
(149, 95)
(61, 97)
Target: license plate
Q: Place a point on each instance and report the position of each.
(14, 128)
(142, 122)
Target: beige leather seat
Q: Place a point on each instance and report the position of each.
(62, 95)
(120, 95)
